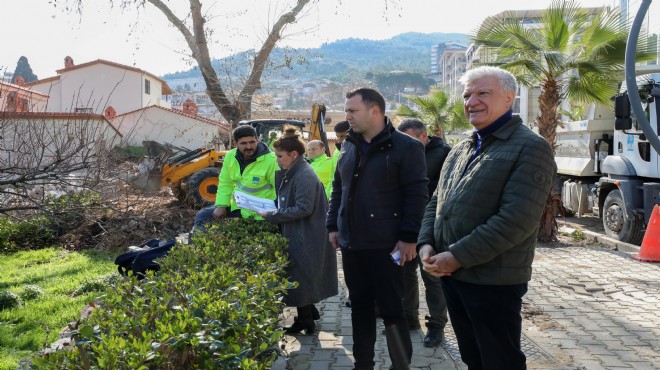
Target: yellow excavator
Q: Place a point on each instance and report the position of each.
(193, 175)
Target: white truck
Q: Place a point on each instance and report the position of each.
(610, 164)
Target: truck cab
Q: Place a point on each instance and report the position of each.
(608, 166)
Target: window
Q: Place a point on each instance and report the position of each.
(520, 103)
(11, 101)
(84, 110)
(147, 87)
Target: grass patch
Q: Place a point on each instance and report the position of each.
(37, 322)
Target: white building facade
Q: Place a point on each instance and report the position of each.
(171, 126)
(102, 87)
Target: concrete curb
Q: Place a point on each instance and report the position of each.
(612, 243)
(593, 236)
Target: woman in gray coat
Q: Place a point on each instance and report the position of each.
(301, 211)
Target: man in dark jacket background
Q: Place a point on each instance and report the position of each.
(378, 197)
(435, 152)
(480, 227)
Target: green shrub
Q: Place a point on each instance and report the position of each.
(132, 152)
(100, 284)
(32, 233)
(578, 235)
(214, 304)
(58, 216)
(68, 211)
(31, 292)
(9, 300)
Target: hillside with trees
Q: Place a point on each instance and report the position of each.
(342, 61)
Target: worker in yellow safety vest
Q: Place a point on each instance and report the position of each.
(322, 165)
(249, 168)
(341, 130)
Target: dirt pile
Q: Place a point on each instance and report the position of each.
(134, 217)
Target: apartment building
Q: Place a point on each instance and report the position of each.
(452, 66)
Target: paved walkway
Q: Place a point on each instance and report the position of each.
(594, 308)
(330, 348)
(588, 307)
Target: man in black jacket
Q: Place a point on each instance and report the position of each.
(435, 150)
(378, 198)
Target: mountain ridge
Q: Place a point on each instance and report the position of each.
(341, 61)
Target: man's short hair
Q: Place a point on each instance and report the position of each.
(317, 142)
(414, 124)
(342, 126)
(504, 78)
(243, 131)
(369, 96)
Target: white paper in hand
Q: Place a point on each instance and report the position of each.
(247, 201)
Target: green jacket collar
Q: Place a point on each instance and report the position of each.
(508, 128)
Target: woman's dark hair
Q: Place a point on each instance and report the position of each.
(290, 140)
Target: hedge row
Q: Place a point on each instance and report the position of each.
(213, 305)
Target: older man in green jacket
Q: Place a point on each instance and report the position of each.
(479, 230)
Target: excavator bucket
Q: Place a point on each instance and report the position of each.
(148, 181)
(150, 177)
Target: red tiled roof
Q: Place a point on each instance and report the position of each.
(48, 79)
(166, 88)
(22, 88)
(224, 126)
(58, 115)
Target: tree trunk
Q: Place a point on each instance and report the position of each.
(437, 130)
(196, 39)
(547, 122)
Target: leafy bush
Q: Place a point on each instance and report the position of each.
(100, 284)
(9, 300)
(31, 292)
(214, 304)
(67, 211)
(132, 152)
(32, 233)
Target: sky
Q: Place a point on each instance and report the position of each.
(45, 31)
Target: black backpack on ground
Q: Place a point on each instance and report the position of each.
(140, 262)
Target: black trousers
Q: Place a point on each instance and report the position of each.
(487, 323)
(372, 277)
(435, 299)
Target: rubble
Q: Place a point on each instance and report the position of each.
(135, 217)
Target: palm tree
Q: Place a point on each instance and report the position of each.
(572, 54)
(438, 110)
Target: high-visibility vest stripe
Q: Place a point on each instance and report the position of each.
(248, 189)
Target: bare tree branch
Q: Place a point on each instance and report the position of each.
(178, 23)
(254, 81)
(39, 154)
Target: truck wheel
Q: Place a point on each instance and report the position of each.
(202, 187)
(617, 225)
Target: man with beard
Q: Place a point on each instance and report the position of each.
(250, 168)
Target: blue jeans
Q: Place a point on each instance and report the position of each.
(205, 215)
